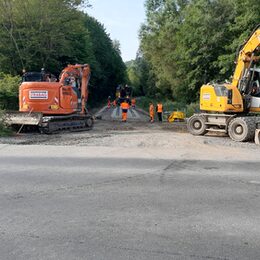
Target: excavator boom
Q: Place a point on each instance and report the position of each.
(245, 58)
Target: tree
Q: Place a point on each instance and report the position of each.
(55, 33)
(141, 77)
(37, 34)
(117, 46)
(108, 68)
(9, 91)
(191, 42)
(245, 17)
(158, 42)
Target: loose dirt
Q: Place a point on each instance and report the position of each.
(134, 133)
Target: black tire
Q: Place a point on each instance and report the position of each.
(197, 125)
(242, 129)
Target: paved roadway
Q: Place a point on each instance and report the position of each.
(104, 203)
(115, 113)
(132, 113)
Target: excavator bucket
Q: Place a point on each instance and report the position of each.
(22, 118)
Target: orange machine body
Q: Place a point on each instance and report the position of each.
(57, 98)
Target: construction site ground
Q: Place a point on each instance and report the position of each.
(109, 131)
(134, 190)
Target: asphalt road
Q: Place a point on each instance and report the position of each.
(68, 202)
(115, 113)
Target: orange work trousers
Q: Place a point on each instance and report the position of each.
(124, 116)
(151, 117)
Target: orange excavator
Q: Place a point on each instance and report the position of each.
(54, 106)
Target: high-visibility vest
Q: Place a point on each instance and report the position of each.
(124, 105)
(159, 108)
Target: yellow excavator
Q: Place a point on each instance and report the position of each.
(232, 107)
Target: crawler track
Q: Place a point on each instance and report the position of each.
(56, 124)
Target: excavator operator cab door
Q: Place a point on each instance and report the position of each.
(255, 82)
(254, 90)
(71, 93)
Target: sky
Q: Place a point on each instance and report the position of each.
(122, 20)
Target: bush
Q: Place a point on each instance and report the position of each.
(143, 103)
(192, 109)
(9, 88)
(4, 131)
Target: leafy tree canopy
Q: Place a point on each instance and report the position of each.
(54, 33)
(190, 42)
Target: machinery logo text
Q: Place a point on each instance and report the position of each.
(38, 94)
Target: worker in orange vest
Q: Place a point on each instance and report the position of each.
(109, 102)
(124, 107)
(133, 102)
(159, 110)
(151, 112)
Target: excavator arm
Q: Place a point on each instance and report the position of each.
(246, 58)
(82, 72)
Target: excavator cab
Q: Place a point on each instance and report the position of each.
(32, 77)
(254, 83)
(38, 77)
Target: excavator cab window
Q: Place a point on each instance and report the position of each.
(32, 77)
(221, 90)
(254, 84)
(67, 81)
(38, 77)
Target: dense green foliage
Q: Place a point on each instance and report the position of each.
(54, 33)
(4, 130)
(108, 69)
(8, 98)
(9, 91)
(140, 77)
(186, 43)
